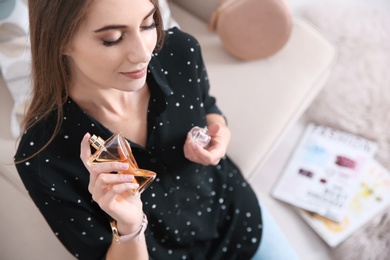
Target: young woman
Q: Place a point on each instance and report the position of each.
(102, 67)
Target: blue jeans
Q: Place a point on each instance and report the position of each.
(274, 245)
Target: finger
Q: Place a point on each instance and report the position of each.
(198, 155)
(100, 170)
(111, 179)
(213, 129)
(195, 153)
(85, 150)
(187, 148)
(190, 148)
(209, 156)
(107, 167)
(105, 181)
(123, 189)
(216, 155)
(117, 193)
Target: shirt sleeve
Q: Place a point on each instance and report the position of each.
(56, 183)
(209, 101)
(188, 59)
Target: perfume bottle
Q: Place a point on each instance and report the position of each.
(200, 136)
(116, 148)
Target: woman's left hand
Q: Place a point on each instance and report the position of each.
(214, 151)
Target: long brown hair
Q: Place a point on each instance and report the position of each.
(53, 24)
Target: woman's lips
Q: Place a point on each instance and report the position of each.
(137, 74)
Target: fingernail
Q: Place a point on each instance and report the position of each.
(124, 166)
(128, 177)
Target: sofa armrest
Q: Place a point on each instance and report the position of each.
(8, 143)
(263, 98)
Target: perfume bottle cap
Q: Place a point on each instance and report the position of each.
(97, 142)
(200, 136)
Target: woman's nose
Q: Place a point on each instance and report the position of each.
(139, 49)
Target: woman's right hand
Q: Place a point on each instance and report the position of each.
(112, 191)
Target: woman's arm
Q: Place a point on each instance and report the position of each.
(112, 193)
(133, 249)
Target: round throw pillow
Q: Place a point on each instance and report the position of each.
(252, 29)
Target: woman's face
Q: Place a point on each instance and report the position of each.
(113, 46)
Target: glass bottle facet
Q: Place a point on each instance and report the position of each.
(117, 149)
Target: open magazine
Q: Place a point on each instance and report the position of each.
(371, 198)
(324, 171)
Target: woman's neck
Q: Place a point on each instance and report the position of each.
(119, 111)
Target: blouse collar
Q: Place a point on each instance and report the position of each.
(157, 72)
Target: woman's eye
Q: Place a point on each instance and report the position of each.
(112, 43)
(149, 27)
(107, 43)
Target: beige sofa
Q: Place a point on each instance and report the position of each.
(261, 99)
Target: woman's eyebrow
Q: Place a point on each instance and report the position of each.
(116, 27)
(110, 27)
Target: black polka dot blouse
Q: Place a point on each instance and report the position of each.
(194, 211)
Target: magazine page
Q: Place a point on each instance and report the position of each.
(324, 171)
(371, 198)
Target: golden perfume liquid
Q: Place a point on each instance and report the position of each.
(117, 149)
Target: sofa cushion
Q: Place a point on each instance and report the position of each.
(14, 55)
(252, 29)
(202, 9)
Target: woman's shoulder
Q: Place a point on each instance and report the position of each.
(34, 138)
(178, 34)
(179, 50)
(43, 131)
(177, 40)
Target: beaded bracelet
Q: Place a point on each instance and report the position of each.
(121, 239)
